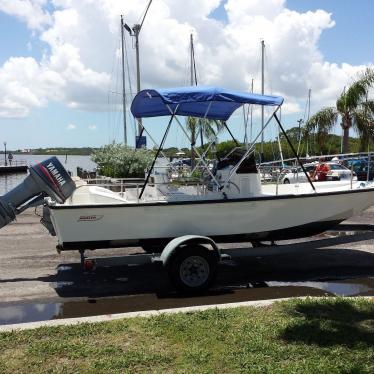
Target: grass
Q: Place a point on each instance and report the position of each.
(299, 336)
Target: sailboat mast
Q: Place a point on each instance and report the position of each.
(251, 123)
(191, 60)
(193, 78)
(307, 120)
(262, 91)
(123, 85)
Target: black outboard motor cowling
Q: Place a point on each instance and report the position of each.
(48, 178)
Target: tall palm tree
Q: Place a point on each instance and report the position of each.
(354, 109)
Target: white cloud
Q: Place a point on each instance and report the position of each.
(71, 126)
(92, 127)
(29, 11)
(26, 84)
(82, 37)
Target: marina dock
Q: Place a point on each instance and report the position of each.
(16, 166)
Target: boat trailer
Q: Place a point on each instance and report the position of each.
(190, 260)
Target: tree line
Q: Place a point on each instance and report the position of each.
(353, 109)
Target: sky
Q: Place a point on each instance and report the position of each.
(60, 76)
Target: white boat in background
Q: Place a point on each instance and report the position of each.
(229, 204)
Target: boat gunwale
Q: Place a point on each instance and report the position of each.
(212, 201)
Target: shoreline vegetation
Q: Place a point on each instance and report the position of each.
(313, 145)
(118, 161)
(61, 151)
(312, 335)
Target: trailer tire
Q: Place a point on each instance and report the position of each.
(193, 268)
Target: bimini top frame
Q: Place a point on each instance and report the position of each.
(203, 102)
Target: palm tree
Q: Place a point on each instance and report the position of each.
(354, 109)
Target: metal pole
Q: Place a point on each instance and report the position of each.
(136, 30)
(251, 127)
(157, 153)
(262, 91)
(233, 170)
(191, 61)
(123, 84)
(309, 95)
(193, 80)
(294, 151)
(368, 173)
(6, 163)
(300, 121)
(341, 141)
(245, 119)
(280, 147)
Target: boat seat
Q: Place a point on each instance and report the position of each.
(248, 166)
(87, 194)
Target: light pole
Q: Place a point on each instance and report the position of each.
(135, 31)
(6, 163)
(123, 85)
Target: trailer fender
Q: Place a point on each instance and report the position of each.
(181, 241)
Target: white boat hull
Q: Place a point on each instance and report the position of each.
(273, 217)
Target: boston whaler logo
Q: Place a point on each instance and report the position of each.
(55, 173)
(91, 218)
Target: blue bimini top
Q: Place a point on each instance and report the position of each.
(196, 101)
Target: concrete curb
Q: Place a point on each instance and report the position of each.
(150, 313)
(147, 313)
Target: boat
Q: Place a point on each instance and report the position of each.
(228, 204)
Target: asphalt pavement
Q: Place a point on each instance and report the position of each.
(31, 270)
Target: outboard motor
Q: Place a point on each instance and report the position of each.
(48, 178)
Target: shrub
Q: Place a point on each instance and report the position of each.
(118, 161)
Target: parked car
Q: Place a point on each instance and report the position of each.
(337, 172)
(296, 174)
(361, 167)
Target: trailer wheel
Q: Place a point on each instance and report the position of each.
(193, 268)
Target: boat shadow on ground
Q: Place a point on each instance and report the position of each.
(320, 259)
(312, 262)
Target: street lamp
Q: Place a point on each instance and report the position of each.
(5, 154)
(134, 32)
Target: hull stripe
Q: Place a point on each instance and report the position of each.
(221, 201)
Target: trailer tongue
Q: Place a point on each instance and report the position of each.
(48, 178)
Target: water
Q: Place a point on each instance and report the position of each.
(9, 181)
(31, 312)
